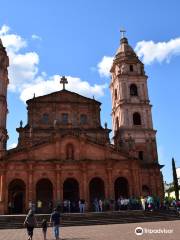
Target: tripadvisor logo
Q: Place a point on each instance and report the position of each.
(139, 231)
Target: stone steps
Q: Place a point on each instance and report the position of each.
(75, 219)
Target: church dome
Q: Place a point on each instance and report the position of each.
(125, 49)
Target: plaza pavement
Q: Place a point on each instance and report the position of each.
(102, 232)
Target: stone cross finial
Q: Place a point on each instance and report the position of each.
(64, 81)
(21, 124)
(122, 31)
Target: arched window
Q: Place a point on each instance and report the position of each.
(69, 152)
(141, 155)
(131, 68)
(83, 119)
(117, 123)
(136, 118)
(64, 118)
(45, 118)
(133, 90)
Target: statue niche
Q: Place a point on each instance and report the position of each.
(69, 152)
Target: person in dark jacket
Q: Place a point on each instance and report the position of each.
(55, 220)
(44, 226)
(30, 223)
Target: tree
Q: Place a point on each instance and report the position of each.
(175, 180)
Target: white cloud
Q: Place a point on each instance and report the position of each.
(150, 51)
(23, 68)
(12, 42)
(104, 66)
(25, 78)
(13, 145)
(41, 87)
(36, 37)
(4, 29)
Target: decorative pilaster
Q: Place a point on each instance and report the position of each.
(4, 63)
(30, 194)
(110, 191)
(58, 183)
(3, 203)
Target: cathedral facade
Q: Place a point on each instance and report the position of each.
(64, 153)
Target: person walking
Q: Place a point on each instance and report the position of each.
(30, 223)
(150, 202)
(82, 205)
(143, 203)
(96, 205)
(119, 204)
(44, 226)
(100, 205)
(55, 220)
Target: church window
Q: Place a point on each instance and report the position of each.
(69, 152)
(115, 94)
(131, 68)
(136, 118)
(133, 90)
(141, 155)
(45, 118)
(83, 119)
(65, 118)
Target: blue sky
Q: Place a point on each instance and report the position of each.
(66, 37)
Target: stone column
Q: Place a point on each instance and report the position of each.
(58, 186)
(152, 182)
(85, 188)
(30, 190)
(109, 186)
(3, 189)
(136, 183)
(2, 183)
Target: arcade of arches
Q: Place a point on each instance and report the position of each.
(44, 193)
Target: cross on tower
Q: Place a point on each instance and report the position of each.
(64, 81)
(123, 31)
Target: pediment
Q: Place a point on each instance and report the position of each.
(57, 150)
(63, 96)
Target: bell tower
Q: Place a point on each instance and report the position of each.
(131, 108)
(4, 63)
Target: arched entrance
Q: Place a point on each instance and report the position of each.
(96, 189)
(16, 196)
(71, 192)
(121, 188)
(145, 191)
(44, 195)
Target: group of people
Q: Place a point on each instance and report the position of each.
(73, 206)
(148, 203)
(123, 203)
(99, 204)
(31, 222)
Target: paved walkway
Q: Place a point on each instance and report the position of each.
(103, 232)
